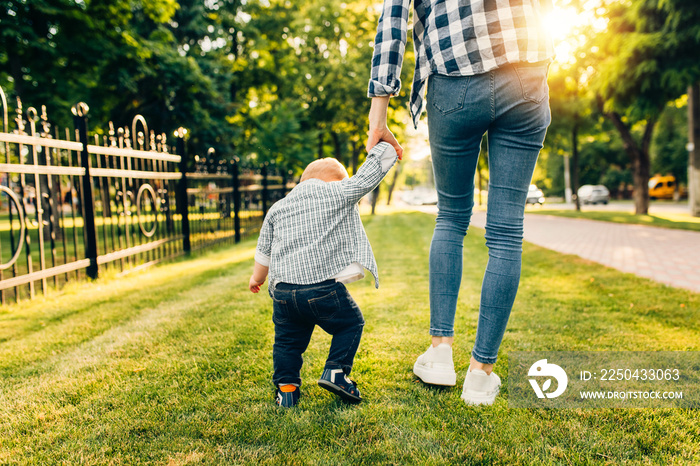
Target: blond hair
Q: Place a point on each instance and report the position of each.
(328, 169)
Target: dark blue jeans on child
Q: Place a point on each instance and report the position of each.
(297, 309)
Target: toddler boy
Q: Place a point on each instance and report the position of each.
(312, 243)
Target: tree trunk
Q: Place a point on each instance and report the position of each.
(16, 72)
(375, 198)
(481, 184)
(337, 146)
(639, 156)
(641, 202)
(320, 146)
(397, 170)
(355, 156)
(574, 163)
(694, 150)
(482, 163)
(567, 181)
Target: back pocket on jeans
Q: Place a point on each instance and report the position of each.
(447, 93)
(325, 307)
(280, 311)
(533, 80)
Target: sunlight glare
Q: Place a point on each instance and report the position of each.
(561, 24)
(565, 25)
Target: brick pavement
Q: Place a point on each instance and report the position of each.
(661, 254)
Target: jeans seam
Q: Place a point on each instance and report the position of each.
(493, 96)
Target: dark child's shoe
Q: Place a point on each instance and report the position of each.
(335, 381)
(287, 395)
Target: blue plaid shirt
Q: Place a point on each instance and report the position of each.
(315, 232)
(455, 38)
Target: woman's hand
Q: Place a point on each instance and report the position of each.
(378, 130)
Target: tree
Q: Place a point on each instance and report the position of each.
(570, 107)
(668, 148)
(645, 58)
(122, 57)
(267, 79)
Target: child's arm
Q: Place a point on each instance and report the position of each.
(262, 255)
(258, 277)
(378, 163)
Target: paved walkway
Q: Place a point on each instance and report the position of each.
(661, 254)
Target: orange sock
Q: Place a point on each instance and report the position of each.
(287, 388)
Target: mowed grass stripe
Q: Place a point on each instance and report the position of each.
(173, 366)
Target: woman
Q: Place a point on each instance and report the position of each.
(485, 63)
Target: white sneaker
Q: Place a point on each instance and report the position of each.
(479, 388)
(435, 366)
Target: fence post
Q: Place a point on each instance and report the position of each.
(265, 193)
(80, 111)
(182, 201)
(236, 199)
(284, 183)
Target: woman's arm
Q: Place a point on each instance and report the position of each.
(378, 129)
(389, 48)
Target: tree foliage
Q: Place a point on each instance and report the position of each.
(645, 58)
(271, 80)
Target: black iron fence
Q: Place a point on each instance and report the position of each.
(71, 205)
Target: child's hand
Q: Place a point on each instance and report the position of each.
(254, 285)
(258, 277)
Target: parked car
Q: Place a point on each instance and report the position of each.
(420, 196)
(664, 187)
(593, 194)
(535, 195)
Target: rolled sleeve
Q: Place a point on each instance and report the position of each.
(262, 259)
(378, 163)
(389, 49)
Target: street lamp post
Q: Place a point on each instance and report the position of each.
(693, 151)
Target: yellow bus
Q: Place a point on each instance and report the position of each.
(662, 187)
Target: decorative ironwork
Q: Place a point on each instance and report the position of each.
(13, 197)
(123, 201)
(146, 188)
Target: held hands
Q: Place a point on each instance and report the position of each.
(377, 135)
(378, 130)
(254, 285)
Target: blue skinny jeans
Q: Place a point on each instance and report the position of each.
(511, 105)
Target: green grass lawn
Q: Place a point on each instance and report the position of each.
(665, 220)
(173, 366)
